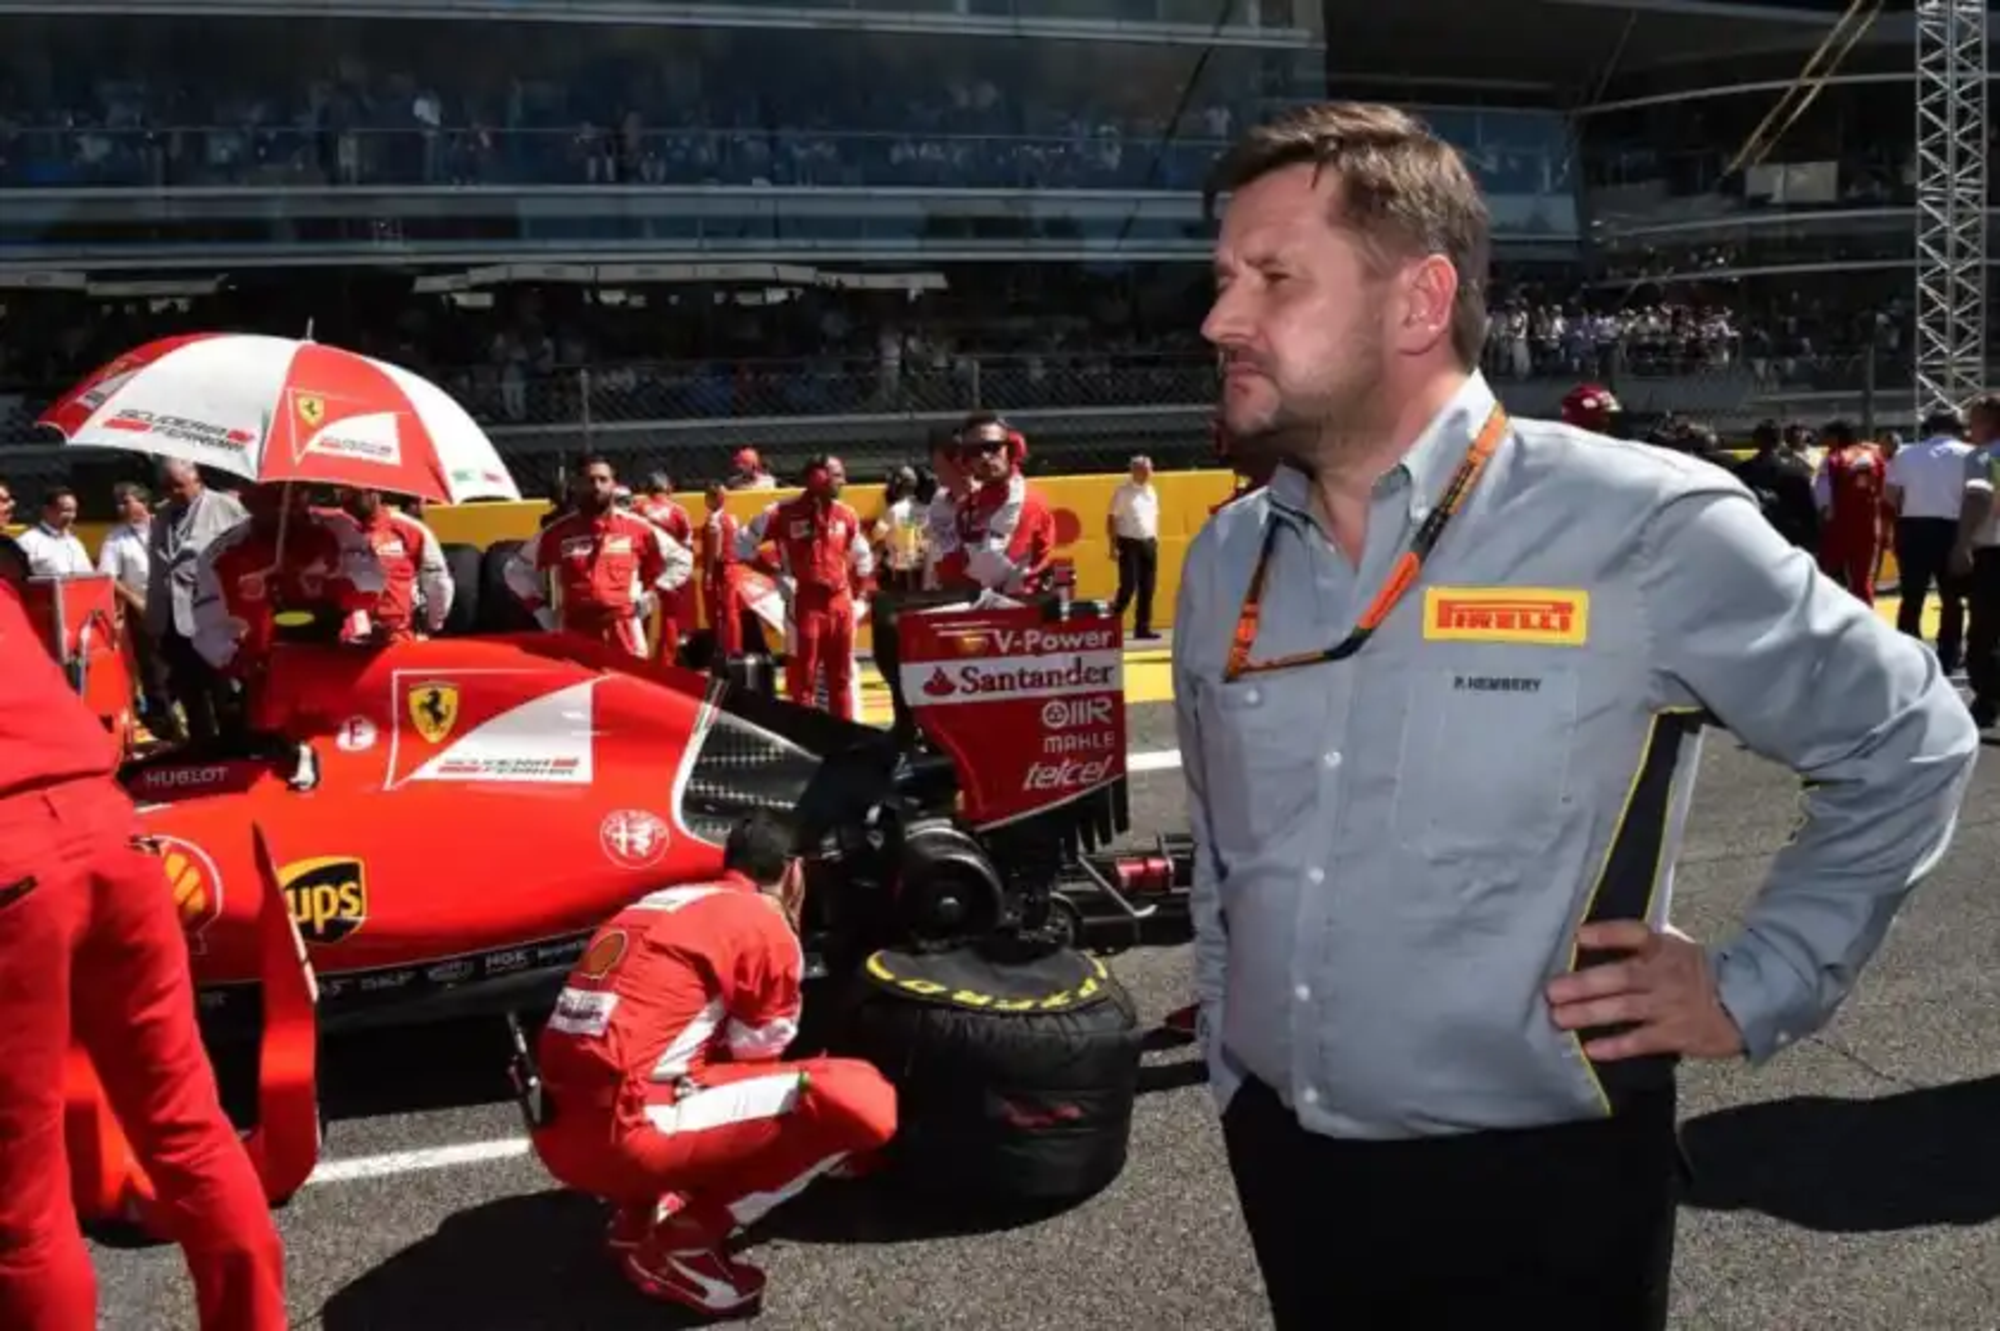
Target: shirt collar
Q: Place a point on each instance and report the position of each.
(1424, 467)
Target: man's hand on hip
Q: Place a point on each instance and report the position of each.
(1662, 988)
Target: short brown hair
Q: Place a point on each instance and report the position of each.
(1404, 192)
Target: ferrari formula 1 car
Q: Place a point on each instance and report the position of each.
(435, 828)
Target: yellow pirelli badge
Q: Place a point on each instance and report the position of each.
(1544, 616)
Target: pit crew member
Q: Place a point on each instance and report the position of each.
(823, 548)
(664, 1089)
(247, 576)
(954, 487)
(1849, 491)
(1006, 531)
(91, 947)
(417, 584)
(722, 574)
(747, 471)
(659, 507)
(607, 565)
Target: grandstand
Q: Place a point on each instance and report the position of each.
(843, 223)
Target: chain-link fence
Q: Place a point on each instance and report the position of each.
(1082, 413)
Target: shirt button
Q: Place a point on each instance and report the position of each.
(1331, 760)
(1784, 1037)
(1310, 1095)
(1304, 994)
(1250, 696)
(1315, 874)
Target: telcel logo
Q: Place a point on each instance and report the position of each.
(1076, 713)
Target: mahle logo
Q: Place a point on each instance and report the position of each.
(328, 896)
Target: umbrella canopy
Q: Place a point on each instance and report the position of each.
(272, 409)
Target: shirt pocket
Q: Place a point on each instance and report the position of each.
(1261, 781)
(1485, 764)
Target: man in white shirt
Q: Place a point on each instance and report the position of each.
(51, 545)
(1926, 489)
(126, 559)
(1134, 528)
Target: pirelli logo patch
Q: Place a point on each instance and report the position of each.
(1543, 616)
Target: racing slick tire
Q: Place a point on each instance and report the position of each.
(1015, 1078)
(468, 570)
(500, 611)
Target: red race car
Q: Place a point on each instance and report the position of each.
(435, 828)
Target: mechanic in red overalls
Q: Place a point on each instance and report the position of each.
(1849, 491)
(824, 549)
(607, 565)
(722, 574)
(248, 575)
(1006, 530)
(418, 589)
(663, 1087)
(747, 471)
(659, 507)
(91, 948)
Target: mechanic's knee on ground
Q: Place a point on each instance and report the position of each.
(854, 1100)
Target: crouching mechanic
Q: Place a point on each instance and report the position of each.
(609, 566)
(664, 1092)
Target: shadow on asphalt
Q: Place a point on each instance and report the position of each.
(538, 1262)
(1904, 1161)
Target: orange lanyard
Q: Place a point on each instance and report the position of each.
(1403, 576)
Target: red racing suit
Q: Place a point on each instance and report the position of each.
(605, 568)
(412, 566)
(676, 606)
(91, 949)
(1849, 491)
(661, 1064)
(241, 584)
(721, 581)
(824, 550)
(1005, 539)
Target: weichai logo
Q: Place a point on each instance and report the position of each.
(328, 896)
(1529, 615)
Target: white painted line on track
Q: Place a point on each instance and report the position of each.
(391, 1164)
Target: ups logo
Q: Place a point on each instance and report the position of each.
(328, 897)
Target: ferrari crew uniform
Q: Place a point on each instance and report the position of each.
(606, 568)
(1006, 539)
(1850, 489)
(722, 581)
(90, 945)
(824, 550)
(667, 1096)
(243, 580)
(676, 606)
(414, 573)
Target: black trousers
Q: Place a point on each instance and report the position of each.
(1982, 630)
(1138, 572)
(1567, 1228)
(208, 699)
(1923, 561)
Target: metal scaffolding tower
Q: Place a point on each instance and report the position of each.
(1951, 202)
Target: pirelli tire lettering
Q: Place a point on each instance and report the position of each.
(1014, 1079)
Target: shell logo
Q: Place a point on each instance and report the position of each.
(195, 883)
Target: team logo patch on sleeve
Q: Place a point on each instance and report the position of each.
(1544, 616)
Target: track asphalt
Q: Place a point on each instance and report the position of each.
(1854, 1182)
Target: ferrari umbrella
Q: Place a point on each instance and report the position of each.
(273, 409)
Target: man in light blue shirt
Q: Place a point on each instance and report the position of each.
(1440, 688)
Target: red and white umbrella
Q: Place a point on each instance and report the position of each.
(272, 409)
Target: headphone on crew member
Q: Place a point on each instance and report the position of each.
(975, 425)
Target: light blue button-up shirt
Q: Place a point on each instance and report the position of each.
(1395, 850)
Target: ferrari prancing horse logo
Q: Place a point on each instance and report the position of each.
(312, 409)
(433, 709)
